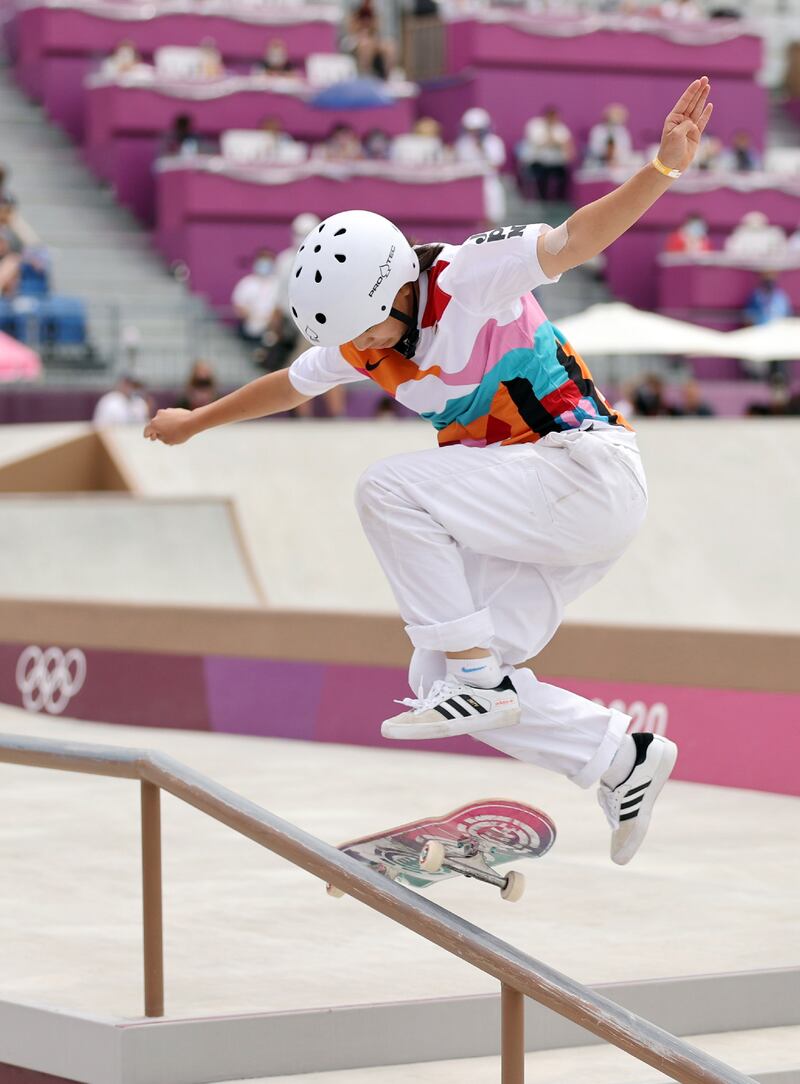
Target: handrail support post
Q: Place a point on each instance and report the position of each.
(512, 1032)
(152, 911)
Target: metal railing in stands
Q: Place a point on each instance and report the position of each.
(520, 975)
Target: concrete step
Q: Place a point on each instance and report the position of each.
(769, 1055)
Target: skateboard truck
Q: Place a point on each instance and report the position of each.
(434, 856)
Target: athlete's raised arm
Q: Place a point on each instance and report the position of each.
(597, 225)
(268, 394)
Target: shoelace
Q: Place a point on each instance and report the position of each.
(610, 801)
(440, 690)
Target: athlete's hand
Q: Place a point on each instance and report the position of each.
(685, 125)
(172, 426)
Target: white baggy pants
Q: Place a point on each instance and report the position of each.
(484, 547)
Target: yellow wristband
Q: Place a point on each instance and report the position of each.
(667, 172)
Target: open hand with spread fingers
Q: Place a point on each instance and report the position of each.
(685, 125)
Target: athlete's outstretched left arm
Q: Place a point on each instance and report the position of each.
(595, 226)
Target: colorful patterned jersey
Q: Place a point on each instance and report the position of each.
(489, 368)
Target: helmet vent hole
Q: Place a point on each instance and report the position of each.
(322, 227)
(340, 257)
(317, 277)
(294, 311)
(317, 248)
(340, 232)
(321, 318)
(301, 248)
(383, 308)
(297, 272)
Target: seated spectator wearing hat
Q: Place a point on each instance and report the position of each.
(691, 237)
(125, 404)
(275, 60)
(254, 297)
(610, 142)
(374, 55)
(742, 157)
(480, 145)
(546, 152)
(755, 239)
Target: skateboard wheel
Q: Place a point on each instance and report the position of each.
(514, 887)
(332, 890)
(432, 856)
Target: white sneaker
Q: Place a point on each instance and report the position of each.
(452, 708)
(629, 805)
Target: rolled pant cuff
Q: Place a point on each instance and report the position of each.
(590, 773)
(475, 630)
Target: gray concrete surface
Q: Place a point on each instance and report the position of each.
(724, 516)
(114, 547)
(715, 889)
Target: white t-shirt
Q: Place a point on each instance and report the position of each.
(546, 143)
(258, 294)
(115, 408)
(489, 367)
(491, 150)
(599, 137)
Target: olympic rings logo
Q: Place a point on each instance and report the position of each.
(49, 679)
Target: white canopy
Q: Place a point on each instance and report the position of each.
(778, 341)
(616, 328)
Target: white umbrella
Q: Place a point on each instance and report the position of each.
(616, 328)
(778, 341)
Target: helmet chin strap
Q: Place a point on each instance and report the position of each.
(407, 346)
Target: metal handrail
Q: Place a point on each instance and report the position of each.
(520, 975)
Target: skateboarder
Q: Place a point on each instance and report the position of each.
(535, 490)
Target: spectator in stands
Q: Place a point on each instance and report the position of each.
(273, 127)
(691, 237)
(377, 145)
(125, 59)
(182, 139)
(201, 387)
(693, 404)
(11, 246)
(211, 63)
(479, 144)
(254, 297)
(685, 10)
(754, 238)
(610, 142)
(742, 156)
(342, 145)
(793, 244)
(275, 60)
(546, 151)
(282, 340)
(768, 301)
(125, 404)
(648, 398)
(710, 155)
(374, 54)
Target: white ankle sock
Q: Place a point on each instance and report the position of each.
(622, 764)
(483, 672)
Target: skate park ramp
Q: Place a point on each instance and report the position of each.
(724, 516)
(122, 548)
(249, 934)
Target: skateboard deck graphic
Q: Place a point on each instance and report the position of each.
(471, 841)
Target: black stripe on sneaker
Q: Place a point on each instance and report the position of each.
(443, 711)
(635, 790)
(453, 703)
(632, 802)
(629, 816)
(474, 704)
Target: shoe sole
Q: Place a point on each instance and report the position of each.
(662, 773)
(449, 728)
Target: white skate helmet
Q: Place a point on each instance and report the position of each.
(303, 224)
(346, 275)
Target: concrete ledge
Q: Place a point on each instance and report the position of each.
(91, 1050)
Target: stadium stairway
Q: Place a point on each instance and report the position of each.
(139, 315)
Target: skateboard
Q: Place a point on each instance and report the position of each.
(472, 841)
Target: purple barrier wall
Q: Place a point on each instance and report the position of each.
(216, 224)
(58, 48)
(687, 286)
(315, 702)
(631, 262)
(514, 73)
(125, 128)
